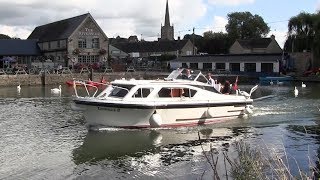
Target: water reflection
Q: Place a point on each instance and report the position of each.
(172, 145)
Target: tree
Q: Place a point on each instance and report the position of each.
(303, 33)
(3, 36)
(216, 43)
(244, 25)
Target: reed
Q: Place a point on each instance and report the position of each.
(254, 163)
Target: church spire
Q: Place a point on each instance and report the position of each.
(167, 31)
(167, 17)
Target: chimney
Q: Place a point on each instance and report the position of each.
(178, 38)
(273, 37)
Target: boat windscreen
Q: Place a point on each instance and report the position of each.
(175, 74)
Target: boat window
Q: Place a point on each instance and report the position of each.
(202, 79)
(142, 92)
(164, 92)
(120, 91)
(189, 92)
(176, 92)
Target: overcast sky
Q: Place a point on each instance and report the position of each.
(144, 17)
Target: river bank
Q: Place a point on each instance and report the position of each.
(53, 79)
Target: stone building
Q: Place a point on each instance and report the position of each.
(167, 31)
(146, 49)
(261, 45)
(74, 40)
(255, 57)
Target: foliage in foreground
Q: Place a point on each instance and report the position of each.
(249, 163)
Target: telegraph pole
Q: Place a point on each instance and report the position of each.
(193, 41)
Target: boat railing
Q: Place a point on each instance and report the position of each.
(87, 85)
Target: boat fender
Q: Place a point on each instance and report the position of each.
(74, 107)
(248, 109)
(210, 112)
(155, 120)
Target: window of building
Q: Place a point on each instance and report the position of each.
(220, 65)
(184, 65)
(142, 92)
(235, 67)
(250, 67)
(188, 53)
(88, 59)
(95, 43)
(207, 66)
(194, 65)
(82, 43)
(49, 45)
(266, 67)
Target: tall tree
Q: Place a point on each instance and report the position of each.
(303, 33)
(216, 43)
(244, 25)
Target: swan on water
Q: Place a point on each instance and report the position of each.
(296, 92)
(56, 90)
(18, 88)
(303, 85)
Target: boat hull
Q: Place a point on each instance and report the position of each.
(167, 116)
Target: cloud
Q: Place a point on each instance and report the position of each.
(230, 2)
(219, 24)
(123, 18)
(318, 6)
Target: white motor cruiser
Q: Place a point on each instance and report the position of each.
(170, 102)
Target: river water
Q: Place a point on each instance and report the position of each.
(42, 138)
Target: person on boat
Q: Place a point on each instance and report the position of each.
(210, 79)
(188, 75)
(103, 80)
(235, 86)
(226, 88)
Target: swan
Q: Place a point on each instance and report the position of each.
(296, 92)
(279, 83)
(271, 82)
(56, 90)
(303, 85)
(18, 88)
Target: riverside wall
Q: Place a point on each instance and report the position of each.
(52, 79)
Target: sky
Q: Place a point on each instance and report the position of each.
(144, 17)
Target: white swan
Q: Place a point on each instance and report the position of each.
(18, 88)
(296, 92)
(279, 83)
(271, 82)
(56, 90)
(303, 85)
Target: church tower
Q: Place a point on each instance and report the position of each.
(167, 30)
